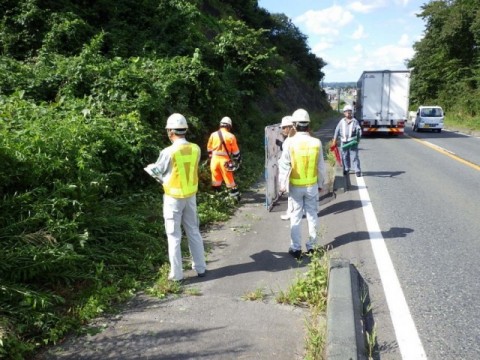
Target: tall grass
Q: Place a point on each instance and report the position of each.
(463, 122)
(310, 289)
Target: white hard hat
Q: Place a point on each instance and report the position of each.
(176, 121)
(226, 121)
(286, 121)
(300, 116)
(347, 108)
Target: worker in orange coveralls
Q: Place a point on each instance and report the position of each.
(224, 157)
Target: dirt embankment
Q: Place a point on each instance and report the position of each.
(292, 94)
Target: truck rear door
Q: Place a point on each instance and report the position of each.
(395, 96)
(372, 96)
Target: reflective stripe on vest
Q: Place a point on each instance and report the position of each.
(304, 158)
(183, 181)
(347, 131)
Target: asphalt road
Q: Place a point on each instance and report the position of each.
(424, 189)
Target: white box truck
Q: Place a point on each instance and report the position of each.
(382, 101)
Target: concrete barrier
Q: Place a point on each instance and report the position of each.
(345, 339)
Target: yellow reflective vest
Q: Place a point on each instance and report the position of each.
(304, 159)
(183, 180)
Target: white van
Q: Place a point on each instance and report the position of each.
(428, 118)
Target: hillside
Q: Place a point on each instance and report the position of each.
(85, 89)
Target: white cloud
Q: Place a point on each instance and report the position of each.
(325, 22)
(349, 68)
(345, 68)
(393, 57)
(359, 33)
(366, 7)
(404, 40)
(346, 64)
(321, 46)
(358, 48)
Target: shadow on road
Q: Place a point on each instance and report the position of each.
(265, 260)
(383, 173)
(393, 233)
(130, 345)
(340, 207)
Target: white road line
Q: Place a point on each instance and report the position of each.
(407, 336)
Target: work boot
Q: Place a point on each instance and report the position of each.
(297, 254)
(234, 193)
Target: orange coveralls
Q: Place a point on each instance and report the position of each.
(220, 157)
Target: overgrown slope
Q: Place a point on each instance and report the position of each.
(85, 88)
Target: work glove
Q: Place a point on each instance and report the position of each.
(279, 143)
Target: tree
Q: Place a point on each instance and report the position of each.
(292, 44)
(446, 59)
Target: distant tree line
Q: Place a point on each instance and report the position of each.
(340, 85)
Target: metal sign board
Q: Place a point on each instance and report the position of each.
(273, 141)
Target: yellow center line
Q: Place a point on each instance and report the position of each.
(446, 152)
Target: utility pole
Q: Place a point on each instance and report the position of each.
(338, 100)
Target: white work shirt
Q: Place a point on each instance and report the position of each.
(286, 144)
(347, 130)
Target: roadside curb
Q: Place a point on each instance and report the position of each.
(344, 329)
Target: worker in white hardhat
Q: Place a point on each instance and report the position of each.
(302, 167)
(287, 127)
(349, 131)
(177, 168)
(225, 157)
(287, 132)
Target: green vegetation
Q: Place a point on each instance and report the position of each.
(310, 289)
(315, 335)
(255, 295)
(161, 286)
(371, 342)
(446, 62)
(467, 124)
(85, 90)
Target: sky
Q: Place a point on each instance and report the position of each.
(353, 36)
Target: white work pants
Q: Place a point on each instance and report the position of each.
(289, 200)
(289, 205)
(303, 198)
(183, 212)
